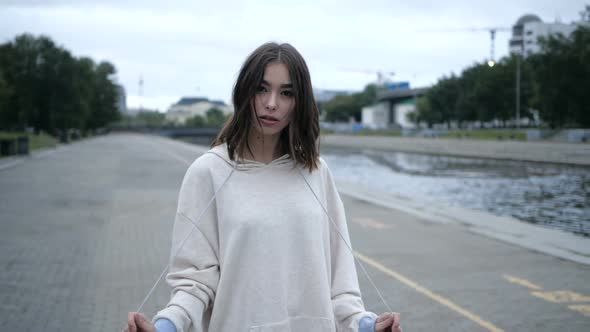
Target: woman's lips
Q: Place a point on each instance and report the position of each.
(268, 121)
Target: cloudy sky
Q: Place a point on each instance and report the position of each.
(195, 48)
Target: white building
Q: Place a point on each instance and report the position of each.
(401, 111)
(529, 28)
(375, 116)
(121, 99)
(392, 109)
(188, 107)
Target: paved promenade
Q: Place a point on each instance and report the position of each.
(85, 231)
(568, 153)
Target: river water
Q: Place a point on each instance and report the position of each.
(550, 195)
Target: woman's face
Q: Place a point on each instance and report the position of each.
(274, 101)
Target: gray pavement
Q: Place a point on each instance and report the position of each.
(85, 231)
(554, 152)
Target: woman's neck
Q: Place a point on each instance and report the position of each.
(265, 149)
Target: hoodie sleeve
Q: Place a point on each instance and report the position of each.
(194, 265)
(346, 296)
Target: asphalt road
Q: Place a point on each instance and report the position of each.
(85, 232)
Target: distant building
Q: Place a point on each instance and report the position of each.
(375, 116)
(392, 108)
(188, 107)
(528, 29)
(121, 99)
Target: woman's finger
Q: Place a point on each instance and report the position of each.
(384, 316)
(143, 323)
(396, 320)
(383, 322)
(131, 322)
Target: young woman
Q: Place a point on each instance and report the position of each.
(260, 241)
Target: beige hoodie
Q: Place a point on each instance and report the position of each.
(264, 256)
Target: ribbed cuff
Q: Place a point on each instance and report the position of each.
(164, 325)
(367, 323)
(183, 311)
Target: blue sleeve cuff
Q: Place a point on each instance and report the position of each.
(366, 324)
(164, 325)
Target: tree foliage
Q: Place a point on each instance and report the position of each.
(196, 121)
(481, 93)
(215, 117)
(562, 79)
(150, 118)
(44, 86)
(554, 81)
(342, 108)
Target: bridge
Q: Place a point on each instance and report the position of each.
(200, 135)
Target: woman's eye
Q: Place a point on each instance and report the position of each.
(288, 93)
(260, 89)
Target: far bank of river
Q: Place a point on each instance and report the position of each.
(551, 152)
(551, 195)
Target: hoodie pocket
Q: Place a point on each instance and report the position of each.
(297, 324)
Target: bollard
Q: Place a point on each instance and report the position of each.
(63, 137)
(22, 145)
(7, 147)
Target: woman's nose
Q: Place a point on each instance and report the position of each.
(271, 103)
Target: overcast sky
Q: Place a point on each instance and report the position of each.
(195, 48)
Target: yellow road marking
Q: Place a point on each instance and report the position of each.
(582, 308)
(448, 303)
(521, 282)
(562, 296)
(368, 222)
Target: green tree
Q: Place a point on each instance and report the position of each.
(368, 96)
(424, 112)
(5, 94)
(442, 100)
(50, 89)
(342, 108)
(19, 62)
(196, 121)
(562, 77)
(150, 118)
(104, 99)
(215, 117)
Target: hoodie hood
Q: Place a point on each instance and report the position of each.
(246, 164)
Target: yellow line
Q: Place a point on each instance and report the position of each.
(448, 303)
(368, 222)
(522, 282)
(581, 308)
(562, 296)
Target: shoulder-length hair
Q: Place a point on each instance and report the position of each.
(300, 138)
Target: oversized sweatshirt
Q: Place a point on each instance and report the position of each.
(254, 250)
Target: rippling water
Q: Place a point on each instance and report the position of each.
(550, 195)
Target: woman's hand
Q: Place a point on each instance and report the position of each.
(136, 322)
(389, 321)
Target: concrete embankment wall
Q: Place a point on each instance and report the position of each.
(552, 152)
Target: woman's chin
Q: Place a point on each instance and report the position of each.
(268, 132)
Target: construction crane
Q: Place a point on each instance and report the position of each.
(491, 30)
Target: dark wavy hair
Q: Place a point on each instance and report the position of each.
(300, 138)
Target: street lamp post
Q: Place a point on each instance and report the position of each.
(517, 90)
